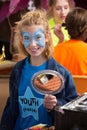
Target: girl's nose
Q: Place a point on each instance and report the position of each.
(33, 43)
(63, 10)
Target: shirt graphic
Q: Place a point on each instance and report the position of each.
(29, 104)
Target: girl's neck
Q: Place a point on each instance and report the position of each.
(37, 61)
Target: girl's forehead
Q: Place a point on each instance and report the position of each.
(32, 28)
(62, 2)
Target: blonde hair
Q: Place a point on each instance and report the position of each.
(53, 3)
(37, 17)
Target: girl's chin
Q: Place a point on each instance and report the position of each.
(63, 19)
(34, 54)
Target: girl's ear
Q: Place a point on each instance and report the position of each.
(48, 36)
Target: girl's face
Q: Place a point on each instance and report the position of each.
(60, 10)
(34, 39)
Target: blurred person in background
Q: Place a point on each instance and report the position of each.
(57, 12)
(73, 53)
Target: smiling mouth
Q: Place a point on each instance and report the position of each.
(34, 49)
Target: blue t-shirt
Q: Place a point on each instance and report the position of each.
(31, 109)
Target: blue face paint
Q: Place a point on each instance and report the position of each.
(37, 36)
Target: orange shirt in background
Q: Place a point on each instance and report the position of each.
(73, 56)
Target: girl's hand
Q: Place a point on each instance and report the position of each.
(50, 101)
(58, 32)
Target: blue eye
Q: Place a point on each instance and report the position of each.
(26, 38)
(38, 37)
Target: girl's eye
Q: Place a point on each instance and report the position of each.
(66, 7)
(26, 38)
(58, 8)
(38, 37)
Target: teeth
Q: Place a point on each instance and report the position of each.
(33, 49)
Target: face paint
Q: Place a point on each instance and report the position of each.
(37, 36)
(26, 38)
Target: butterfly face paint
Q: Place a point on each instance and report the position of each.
(37, 37)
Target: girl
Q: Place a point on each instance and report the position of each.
(57, 12)
(25, 106)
